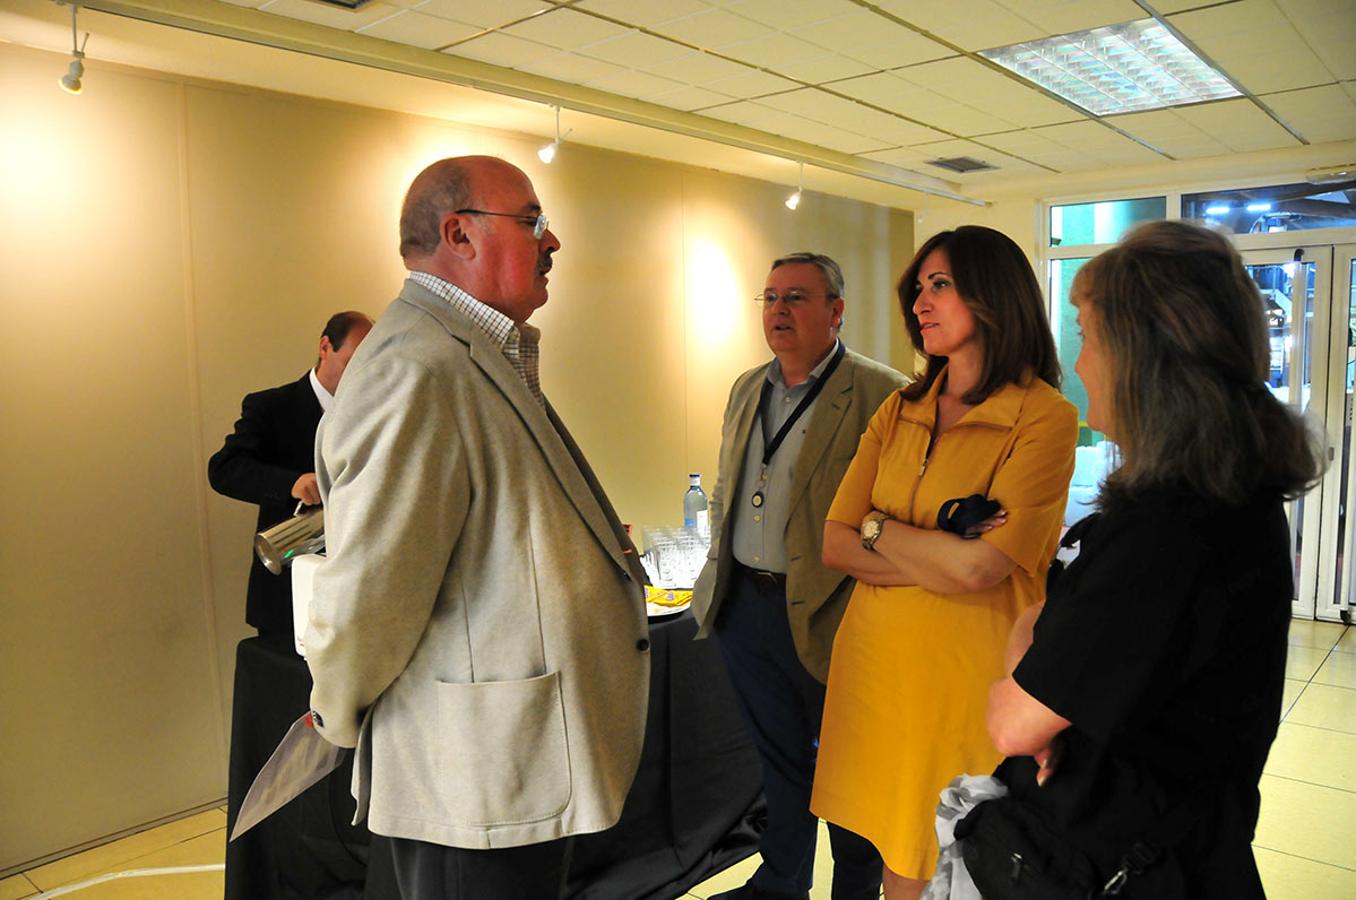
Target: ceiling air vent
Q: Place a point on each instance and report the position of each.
(961, 164)
(345, 4)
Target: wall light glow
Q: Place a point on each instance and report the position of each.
(713, 295)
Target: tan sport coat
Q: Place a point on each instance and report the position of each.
(478, 630)
(816, 596)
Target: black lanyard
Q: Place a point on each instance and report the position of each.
(804, 404)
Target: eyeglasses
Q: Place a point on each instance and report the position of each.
(793, 298)
(538, 222)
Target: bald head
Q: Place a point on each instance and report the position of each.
(471, 221)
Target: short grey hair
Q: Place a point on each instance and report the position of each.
(442, 188)
(832, 272)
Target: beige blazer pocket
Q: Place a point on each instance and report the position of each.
(504, 758)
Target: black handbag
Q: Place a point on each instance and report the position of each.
(1012, 855)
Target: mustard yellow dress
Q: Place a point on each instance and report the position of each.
(910, 672)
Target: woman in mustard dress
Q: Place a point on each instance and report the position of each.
(924, 633)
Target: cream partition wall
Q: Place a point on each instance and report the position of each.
(169, 245)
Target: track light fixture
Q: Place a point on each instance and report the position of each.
(70, 82)
(793, 201)
(548, 152)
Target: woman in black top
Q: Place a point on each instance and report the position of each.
(1141, 706)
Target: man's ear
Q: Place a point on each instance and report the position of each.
(838, 304)
(326, 348)
(454, 237)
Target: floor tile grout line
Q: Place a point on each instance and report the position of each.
(1320, 727)
(1321, 862)
(1310, 783)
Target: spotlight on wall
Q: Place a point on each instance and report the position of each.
(548, 153)
(793, 201)
(70, 82)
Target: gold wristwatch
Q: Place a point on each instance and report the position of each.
(871, 530)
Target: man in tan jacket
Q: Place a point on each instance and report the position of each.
(790, 429)
(478, 630)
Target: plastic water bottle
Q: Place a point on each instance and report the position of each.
(694, 507)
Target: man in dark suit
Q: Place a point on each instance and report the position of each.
(270, 460)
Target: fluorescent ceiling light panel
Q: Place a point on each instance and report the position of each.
(1116, 69)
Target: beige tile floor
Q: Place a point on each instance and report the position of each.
(1303, 846)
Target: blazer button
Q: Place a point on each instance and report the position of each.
(643, 644)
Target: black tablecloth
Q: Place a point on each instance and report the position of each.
(691, 811)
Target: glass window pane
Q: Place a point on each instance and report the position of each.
(1104, 222)
(1277, 207)
(1096, 456)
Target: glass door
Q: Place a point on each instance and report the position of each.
(1294, 284)
(1339, 552)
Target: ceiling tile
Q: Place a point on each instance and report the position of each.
(751, 115)
(502, 50)
(838, 139)
(1329, 27)
(419, 30)
(1238, 124)
(486, 15)
(835, 111)
(904, 157)
(873, 39)
(689, 98)
(566, 29)
(785, 16)
(1065, 16)
(1039, 149)
(629, 83)
(636, 50)
(1255, 44)
(894, 93)
(770, 49)
(980, 87)
(1167, 7)
(795, 58)
(693, 67)
(644, 12)
(820, 69)
(971, 24)
(713, 28)
(750, 84)
(1170, 133)
(571, 67)
(1321, 114)
(1095, 145)
(331, 16)
(822, 135)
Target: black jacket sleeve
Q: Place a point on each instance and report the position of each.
(250, 465)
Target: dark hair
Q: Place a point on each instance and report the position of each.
(833, 274)
(443, 187)
(1187, 356)
(994, 279)
(340, 324)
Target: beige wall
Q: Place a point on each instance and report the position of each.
(170, 245)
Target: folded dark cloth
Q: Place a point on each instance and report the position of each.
(958, 515)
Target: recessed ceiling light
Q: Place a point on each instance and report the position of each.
(1117, 68)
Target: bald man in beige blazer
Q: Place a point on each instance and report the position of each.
(478, 630)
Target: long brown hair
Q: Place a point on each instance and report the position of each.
(1188, 356)
(994, 279)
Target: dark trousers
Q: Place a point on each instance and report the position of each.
(427, 871)
(783, 706)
